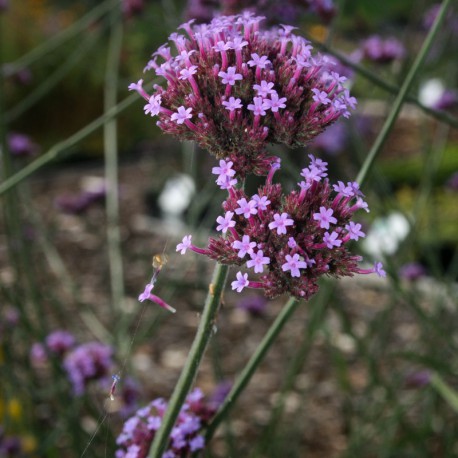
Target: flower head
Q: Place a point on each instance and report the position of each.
(293, 238)
(245, 88)
(87, 362)
(185, 438)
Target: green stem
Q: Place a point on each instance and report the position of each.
(318, 310)
(252, 365)
(191, 366)
(61, 147)
(54, 78)
(111, 161)
(385, 85)
(389, 123)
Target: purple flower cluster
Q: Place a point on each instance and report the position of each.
(139, 430)
(89, 361)
(381, 50)
(234, 88)
(290, 239)
(10, 446)
(78, 203)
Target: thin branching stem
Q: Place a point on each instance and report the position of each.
(401, 97)
(111, 162)
(59, 39)
(250, 368)
(442, 116)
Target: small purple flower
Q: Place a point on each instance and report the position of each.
(293, 264)
(238, 43)
(258, 261)
(148, 295)
(274, 103)
(320, 97)
(224, 170)
(184, 245)
(292, 243)
(280, 223)
(186, 73)
(331, 240)
(378, 269)
(230, 77)
(241, 282)
(259, 106)
(244, 246)
(182, 115)
(264, 89)
(354, 230)
(325, 217)
(261, 202)
(153, 106)
(246, 208)
(233, 104)
(312, 174)
(341, 188)
(225, 222)
(258, 61)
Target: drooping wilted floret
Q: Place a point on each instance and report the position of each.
(234, 88)
(290, 239)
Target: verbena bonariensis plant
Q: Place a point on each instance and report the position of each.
(295, 237)
(234, 88)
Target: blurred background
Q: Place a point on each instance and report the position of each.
(367, 368)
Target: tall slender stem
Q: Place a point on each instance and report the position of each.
(389, 123)
(248, 371)
(53, 43)
(63, 146)
(191, 366)
(111, 161)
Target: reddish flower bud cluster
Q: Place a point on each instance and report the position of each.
(290, 239)
(139, 430)
(234, 88)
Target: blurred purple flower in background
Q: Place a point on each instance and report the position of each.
(59, 342)
(94, 191)
(452, 182)
(21, 145)
(89, 361)
(418, 379)
(38, 355)
(255, 305)
(412, 271)
(382, 50)
(132, 7)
